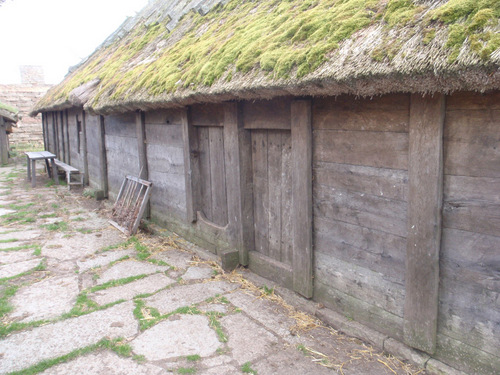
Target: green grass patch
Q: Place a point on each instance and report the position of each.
(47, 216)
(213, 317)
(17, 248)
(85, 230)
(247, 368)
(115, 345)
(5, 294)
(186, 370)
(154, 316)
(57, 226)
(79, 218)
(9, 240)
(193, 358)
(159, 262)
(38, 250)
(113, 283)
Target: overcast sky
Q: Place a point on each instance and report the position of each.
(56, 34)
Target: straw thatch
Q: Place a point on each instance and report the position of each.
(180, 52)
(10, 114)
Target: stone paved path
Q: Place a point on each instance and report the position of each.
(77, 297)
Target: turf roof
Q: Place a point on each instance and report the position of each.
(260, 49)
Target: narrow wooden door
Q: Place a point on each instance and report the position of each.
(272, 183)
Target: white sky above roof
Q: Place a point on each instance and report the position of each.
(56, 34)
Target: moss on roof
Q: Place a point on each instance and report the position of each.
(288, 40)
(9, 108)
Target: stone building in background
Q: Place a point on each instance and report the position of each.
(23, 96)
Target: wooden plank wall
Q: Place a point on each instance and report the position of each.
(166, 164)
(93, 153)
(121, 148)
(469, 311)
(76, 154)
(360, 190)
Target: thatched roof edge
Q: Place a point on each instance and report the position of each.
(411, 56)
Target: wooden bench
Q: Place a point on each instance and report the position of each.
(69, 170)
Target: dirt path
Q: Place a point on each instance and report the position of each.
(77, 297)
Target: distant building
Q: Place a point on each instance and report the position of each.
(23, 96)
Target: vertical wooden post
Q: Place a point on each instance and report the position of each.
(66, 118)
(84, 146)
(4, 144)
(44, 130)
(62, 137)
(140, 130)
(301, 127)
(54, 133)
(103, 158)
(238, 159)
(191, 166)
(425, 172)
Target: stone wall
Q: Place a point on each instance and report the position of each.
(23, 97)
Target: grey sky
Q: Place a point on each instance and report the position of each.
(55, 33)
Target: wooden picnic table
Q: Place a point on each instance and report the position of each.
(32, 157)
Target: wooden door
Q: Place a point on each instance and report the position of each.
(272, 183)
(213, 202)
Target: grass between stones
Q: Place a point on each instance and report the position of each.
(115, 345)
(247, 369)
(186, 370)
(118, 282)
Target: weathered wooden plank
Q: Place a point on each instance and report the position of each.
(238, 151)
(286, 200)
(271, 269)
(473, 100)
(474, 216)
(388, 113)
(121, 125)
(465, 357)
(358, 310)
(191, 166)
(204, 171)
(163, 158)
(103, 157)
(470, 250)
(168, 135)
(84, 152)
(383, 214)
(218, 176)
(388, 183)
(424, 221)
(361, 283)
(164, 117)
(378, 251)
(211, 114)
(125, 145)
(274, 149)
(373, 149)
(302, 197)
(169, 194)
(4, 145)
(261, 191)
(465, 188)
(468, 311)
(140, 131)
(68, 143)
(472, 143)
(267, 114)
